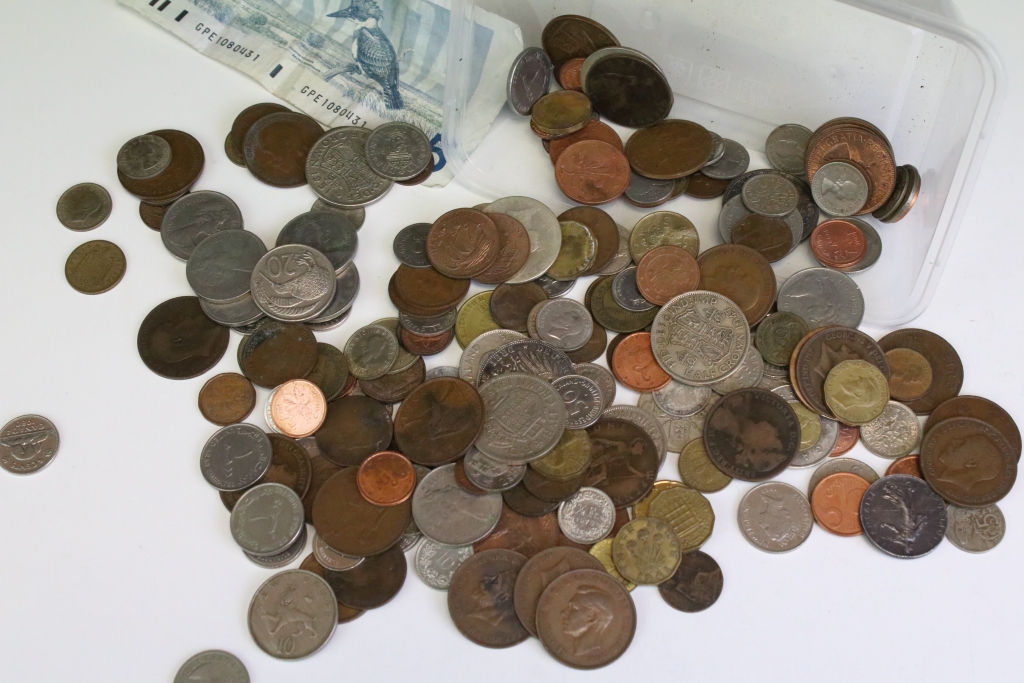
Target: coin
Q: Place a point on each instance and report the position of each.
(276, 145)
(646, 551)
(902, 516)
(290, 465)
(332, 559)
(273, 503)
(968, 462)
(627, 293)
(663, 228)
(911, 374)
(293, 614)
(177, 341)
(428, 326)
(947, 369)
(786, 147)
(698, 471)
(732, 164)
(474, 319)
(396, 385)
(848, 465)
(524, 534)
(525, 417)
(857, 392)
(569, 74)
(748, 374)
(587, 516)
(768, 236)
(770, 195)
(152, 215)
(626, 87)
(648, 423)
(560, 112)
(839, 244)
(223, 666)
(329, 232)
(371, 351)
(564, 324)
(835, 503)
(28, 444)
(777, 336)
(527, 356)
(840, 188)
(489, 474)
(276, 353)
(293, 283)
(462, 243)
(680, 332)
(893, 434)
(775, 517)
(695, 585)
(474, 353)
(592, 172)
(701, 186)
(371, 583)
(808, 210)
(283, 558)
(593, 130)
(604, 379)
(543, 229)
(355, 428)
(144, 156)
(196, 216)
(511, 304)
(822, 296)
(571, 36)
(688, 513)
(83, 207)
(480, 598)
(345, 613)
(975, 530)
(436, 563)
(741, 275)
(350, 524)
(665, 272)
(810, 425)
(852, 142)
(647, 192)
(904, 196)
(681, 400)
(227, 398)
(822, 350)
(424, 292)
(576, 254)
(398, 151)
(219, 270)
(539, 572)
(669, 149)
(910, 464)
(410, 245)
(439, 421)
(745, 451)
(298, 408)
(448, 514)
(624, 462)
(235, 457)
(528, 79)
(981, 409)
(569, 459)
(550, 490)
(635, 366)
(235, 314)
(95, 267)
(330, 372)
(187, 161)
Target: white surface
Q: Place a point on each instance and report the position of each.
(117, 561)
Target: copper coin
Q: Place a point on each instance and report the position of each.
(594, 130)
(968, 462)
(187, 161)
(538, 573)
(276, 147)
(612, 345)
(823, 349)
(419, 178)
(848, 437)
(395, 387)
(289, 465)
(178, 341)
(751, 434)
(593, 349)
(838, 244)
(152, 215)
(345, 613)
(836, 503)
(439, 421)
(355, 428)
(350, 386)
(867, 149)
(628, 89)
(911, 374)
(670, 149)
(625, 460)
(248, 116)
(570, 36)
(550, 490)
(480, 598)
(604, 230)
(462, 479)
(277, 352)
(561, 112)
(372, 582)
(947, 370)
(666, 272)
(544, 136)
(768, 236)
(696, 584)
(981, 409)
(298, 408)
(592, 172)
(513, 250)
(386, 478)
(702, 187)
(569, 74)
(462, 243)
(526, 535)
(322, 470)
(910, 464)
(635, 366)
(330, 372)
(352, 525)
(741, 275)
(425, 344)
(427, 289)
(511, 304)
(525, 503)
(227, 398)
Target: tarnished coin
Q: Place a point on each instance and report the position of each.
(28, 444)
(396, 385)
(947, 368)
(893, 434)
(489, 474)
(748, 374)
(695, 585)
(227, 398)
(526, 534)
(663, 228)
(835, 502)
(481, 347)
(902, 516)
(822, 296)
(95, 267)
(786, 147)
(911, 374)
(186, 165)
(752, 434)
(293, 283)
(571, 36)
(741, 275)
(196, 216)
(669, 149)
(626, 87)
(550, 490)
(771, 237)
(236, 314)
(372, 582)
(510, 305)
(178, 341)
(371, 351)
(541, 226)
(777, 336)
(840, 188)
(775, 517)
(144, 156)
(646, 551)
(528, 79)
(824, 444)
(352, 525)
(235, 457)
(688, 513)
(539, 572)
(528, 356)
(569, 459)
(328, 232)
(587, 516)
(592, 172)
(968, 462)
(565, 324)
(83, 207)
(698, 471)
(410, 245)
(217, 665)
(734, 162)
(331, 558)
(448, 514)
(624, 462)
(857, 392)
(267, 519)
(152, 215)
(810, 424)
(277, 352)
(770, 195)
(480, 598)
(647, 423)
(398, 150)
(345, 613)
(220, 268)
(276, 146)
(337, 169)
(910, 464)
(524, 418)
(981, 409)
(355, 215)
(355, 428)
(439, 421)
(681, 400)
(560, 112)
(677, 431)
(647, 192)
(700, 186)
(330, 372)
(462, 243)
(436, 563)
(293, 614)
(689, 326)
(975, 530)
(822, 350)
(577, 252)
(612, 316)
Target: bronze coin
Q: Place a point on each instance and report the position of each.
(604, 230)
(386, 478)
(702, 187)
(968, 462)
(322, 469)
(248, 116)
(233, 150)
(177, 341)
(330, 372)
(395, 387)
(768, 236)
(980, 409)
(439, 421)
(624, 461)
(425, 344)
(513, 250)
(696, 584)
(277, 352)
(592, 172)
(419, 178)
(462, 479)
(480, 598)
(569, 74)
(594, 130)
(511, 304)
(353, 526)
(561, 112)
(276, 147)
(570, 36)
(550, 490)
(289, 465)
(629, 91)
(428, 289)
(350, 385)
(409, 309)
(910, 464)
(462, 243)
(752, 434)
(634, 365)
(947, 369)
(666, 272)
(609, 314)
(848, 438)
(95, 267)
(862, 146)
(538, 573)
(822, 350)
(612, 345)
(742, 275)
(372, 582)
(526, 535)
(153, 215)
(911, 374)
(525, 503)
(355, 428)
(838, 244)
(669, 150)
(227, 398)
(593, 349)
(345, 613)
(187, 161)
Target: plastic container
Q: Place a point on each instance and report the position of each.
(742, 67)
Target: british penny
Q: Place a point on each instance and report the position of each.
(474, 318)
(550, 490)
(981, 409)
(277, 352)
(350, 524)
(742, 275)
(592, 172)
(480, 598)
(856, 392)
(178, 341)
(395, 386)
(752, 434)
(386, 478)
(910, 464)
(838, 243)
(345, 613)
(561, 112)
(243, 122)
(947, 369)
(701, 186)
(227, 398)
(330, 372)
(372, 582)
(355, 428)
(911, 374)
(591, 350)
(624, 460)
(695, 585)
(903, 516)
(510, 305)
(635, 366)
(823, 349)
(513, 250)
(836, 503)
(848, 437)
(863, 147)
(665, 272)
(594, 130)
(525, 503)
(321, 470)
(426, 289)
(439, 421)
(152, 215)
(526, 535)
(95, 267)
(462, 243)
(276, 145)
(771, 237)
(424, 344)
(968, 462)
(627, 88)
(570, 36)
(187, 161)
(539, 572)
(669, 149)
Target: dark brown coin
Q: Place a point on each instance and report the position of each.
(419, 178)
(355, 428)
(153, 215)
(462, 243)
(243, 122)
(322, 469)
(702, 187)
(187, 161)
(768, 236)
(95, 267)
(612, 345)
(439, 421)
(669, 150)
(594, 130)
(276, 146)
(525, 503)
(480, 598)
(330, 372)
(696, 584)
(742, 275)
(427, 289)
(629, 91)
(947, 370)
(665, 272)
(345, 613)
(513, 250)
(177, 341)
(968, 462)
(227, 398)
(571, 36)
(752, 434)
(233, 150)
(526, 535)
(910, 464)
(980, 409)
(425, 344)
(822, 350)
(624, 460)
(538, 573)
(350, 524)
(372, 582)
(462, 479)
(604, 230)
(550, 490)
(609, 314)
(290, 465)
(394, 387)
(593, 349)
(511, 304)
(277, 352)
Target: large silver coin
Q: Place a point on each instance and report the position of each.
(893, 434)
(328, 232)
(442, 371)
(398, 151)
(771, 195)
(841, 465)
(447, 513)
(604, 379)
(543, 229)
(528, 356)
(700, 337)
(267, 519)
(283, 558)
(242, 311)
(436, 562)
(565, 324)
(528, 80)
(903, 516)
(196, 216)
(356, 216)
(822, 296)
(236, 457)
(681, 400)
(337, 170)
(346, 286)
(144, 156)
(583, 400)
(217, 666)
(524, 418)
(975, 530)
(410, 245)
(645, 421)
(840, 189)
(219, 270)
(371, 351)
(490, 474)
(587, 516)
(478, 349)
(429, 326)
(775, 517)
(83, 207)
(786, 148)
(28, 444)
(293, 283)
(293, 614)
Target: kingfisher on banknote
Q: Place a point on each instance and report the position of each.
(375, 55)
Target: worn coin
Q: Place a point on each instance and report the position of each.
(741, 275)
(822, 296)
(293, 614)
(698, 471)
(83, 207)
(569, 459)
(436, 563)
(372, 582)
(975, 530)
(480, 598)
(665, 272)
(841, 465)
(543, 230)
(647, 423)
(525, 417)
(448, 514)
(771, 237)
(752, 434)
(219, 270)
(350, 524)
(968, 462)
(439, 421)
(235, 457)
(775, 517)
(144, 156)
(688, 513)
(277, 352)
(510, 305)
(669, 149)
(947, 368)
(276, 146)
(647, 192)
(624, 461)
(313, 565)
(571, 36)
(836, 500)
(602, 551)
(283, 558)
(186, 165)
(398, 150)
(902, 516)
(981, 409)
(577, 253)
(663, 228)
(267, 519)
(777, 336)
(911, 374)
(700, 186)
(410, 245)
(235, 314)
(328, 232)
(196, 216)
(462, 243)
(700, 337)
(528, 79)
(227, 398)
(28, 444)
(489, 474)
(331, 559)
(627, 88)
(695, 585)
(893, 434)
(910, 464)
(481, 347)
(178, 341)
(840, 188)
(218, 665)
(748, 374)
(371, 351)
(560, 112)
(524, 533)
(822, 350)
(856, 392)
(95, 267)
(355, 428)
(612, 316)
(152, 215)
(646, 551)
(770, 195)
(330, 372)
(681, 400)
(528, 356)
(786, 147)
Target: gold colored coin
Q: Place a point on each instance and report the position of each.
(663, 227)
(569, 458)
(561, 112)
(95, 267)
(577, 253)
(698, 472)
(474, 319)
(646, 551)
(640, 509)
(689, 514)
(810, 425)
(602, 550)
(856, 392)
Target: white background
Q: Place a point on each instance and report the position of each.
(116, 563)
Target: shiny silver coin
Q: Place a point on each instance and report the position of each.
(435, 562)
(236, 457)
(587, 516)
(283, 558)
(770, 195)
(220, 268)
(975, 530)
(645, 421)
(583, 400)
(841, 465)
(267, 519)
(410, 245)
(822, 296)
(328, 232)
(442, 371)
(331, 559)
(337, 170)
(775, 517)
(903, 516)
(555, 288)
(528, 356)
(448, 514)
(28, 444)
(356, 216)
(748, 374)
(786, 148)
(604, 379)
(216, 666)
(840, 189)
(529, 79)
(734, 162)
(235, 314)
(490, 474)
(821, 448)
(196, 216)
(524, 418)
(564, 324)
(429, 326)
(477, 350)
(144, 156)
(627, 294)
(893, 434)
(681, 400)
(83, 207)
(681, 331)
(543, 229)
(397, 150)
(346, 287)
(293, 283)
(645, 191)
(622, 257)
(371, 351)
(293, 614)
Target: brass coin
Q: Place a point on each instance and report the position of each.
(178, 341)
(689, 514)
(277, 352)
(571, 36)
(911, 374)
(777, 336)
(604, 230)
(670, 149)
(698, 472)
(480, 598)
(768, 236)
(511, 304)
(227, 398)
(947, 369)
(642, 507)
(561, 112)
(95, 267)
(610, 315)
(355, 428)
(810, 425)
(439, 421)
(353, 526)
(646, 551)
(330, 372)
(663, 227)
(577, 253)
(474, 318)
(569, 459)
(742, 275)
(602, 550)
(968, 462)
(856, 392)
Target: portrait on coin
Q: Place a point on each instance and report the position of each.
(585, 619)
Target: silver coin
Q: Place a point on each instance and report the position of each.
(775, 517)
(236, 457)
(356, 216)
(220, 267)
(196, 216)
(771, 195)
(328, 232)
(428, 326)
(283, 558)
(524, 418)
(543, 229)
(907, 198)
(83, 207)
(474, 353)
(903, 516)
(293, 614)
(604, 379)
(404, 360)
(371, 351)
(555, 288)
(700, 337)
(565, 324)
(732, 213)
(748, 374)
(410, 537)
(144, 156)
(587, 516)
(436, 563)
(717, 148)
(648, 191)
(893, 434)
(771, 383)
(681, 400)
(822, 296)
(622, 257)
(346, 287)
(531, 319)
(28, 444)
(398, 150)
(583, 400)
(330, 324)
(528, 356)
(442, 371)
(841, 465)
(806, 207)
(627, 294)
(821, 448)
(679, 431)
(410, 245)
(268, 417)
(732, 164)
(448, 514)
(975, 530)
(645, 421)
(786, 148)
(786, 391)
(528, 80)
(216, 666)
(238, 313)
(874, 249)
(337, 171)
(840, 189)
(331, 559)
(293, 283)
(490, 474)
(776, 371)
(267, 519)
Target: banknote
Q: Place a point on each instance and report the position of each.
(353, 62)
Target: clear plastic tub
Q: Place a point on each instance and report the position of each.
(742, 67)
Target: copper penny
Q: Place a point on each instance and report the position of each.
(276, 147)
(322, 470)
(635, 366)
(592, 172)
(428, 290)
(625, 460)
(345, 613)
(666, 272)
(548, 489)
(867, 149)
(696, 584)
(350, 386)
(480, 598)
(848, 438)
(570, 36)
(352, 525)
(355, 428)
(838, 244)
(702, 187)
(513, 250)
(569, 74)
(396, 386)
(981, 409)
(823, 349)
(386, 478)
(227, 398)
(538, 573)
(372, 582)
(248, 116)
(439, 421)
(604, 230)
(289, 465)
(561, 112)
(178, 341)
(277, 352)
(511, 304)
(526, 535)
(153, 215)
(947, 369)
(425, 344)
(462, 479)
(968, 462)
(612, 345)
(768, 236)
(670, 149)
(187, 160)
(545, 137)
(593, 349)
(836, 503)
(525, 503)
(751, 434)
(742, 275)
(462, 243)
(298, 408)
(910, 464)
(330, 372)
(594, 130)
(911, 374)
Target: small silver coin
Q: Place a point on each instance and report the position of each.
(477, 350)
(236, 457)
(874, 249)
(448, 514)
(293, 283)
(555, 288)
(216, 666)
(410, 245)
(529, 79)
(337, 170)
(331, 559)
(83, 207)
(196, 216)
(622, 257)
(397, 150)
(627, 294)
(681, 400)
(786, 148)
(28, 444)
(840, 189)
(442, 371)
(583, 400)
(645, 421)
(808, 210)
(679, 334)
(346, 287)
(490, 474)
(604, 379)
(748, 374)
(822, 296)
(404, 360)
(235, 314)
(435, 562)
(528, 356)
(841, 465)
(356, 216)
(371, 351)
(893, 434)
(903, 516)
(587, 516)
(543, 229)
(975, 530)
(144, 156)
(429, 326)
(717, 148)
(771, 195)
(328, 232)
(293, 614)
(564, 324)
(219, 270)
(775, 517)
(283, 558)
(732, 164)
(267, 519)
(648, 191)
(821, 448)
(524, 418)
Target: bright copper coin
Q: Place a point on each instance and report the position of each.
(187, 161)
(838, 244)
(768, 236)
(298, 408)
(569, 74)
(276, 146)
(666, 272)
(480, 598)
(396, 386)
(178, 341)
(386, 478)
(752, 434)
(862, 146)
(439, 421)
(593, 349)
(352, 525)
(355, 428)
(947, 369)
(823, 349)
(538, 573)
(152, 215)
(322, 470)
(227, 398)
(462, 243)
(277, 352)
(981, 409)
(635, 366)
(561, 112)
(592, 172)
(345, 613)
(570, 36)
(428, 290)
(742, 275)
(670, 149)
(513, 250)
(836, 503)
(848, 438)
(594, 130)
(624, 460)
(372, 582)
(604, 230)
(968, 462)
(702, 187)
(511, 304)
(425, 344)
(525, 503)
(911, 374)
(910, 464)
(526, 535)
